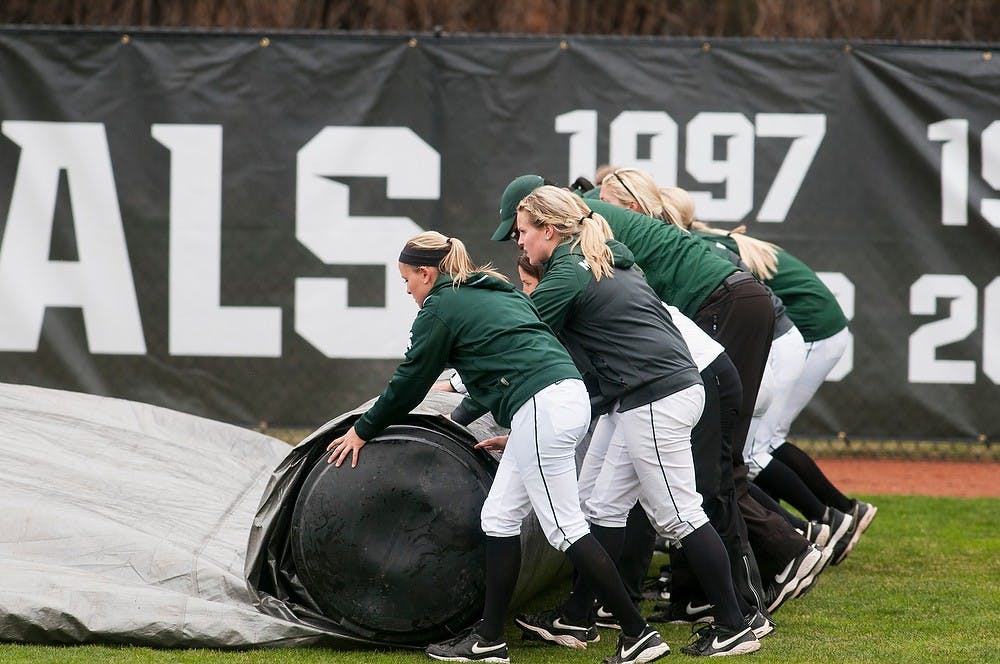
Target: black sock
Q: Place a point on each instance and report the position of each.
(600, 578)
(778, 479)
(581, 600)
(765, 499)
(804, 466)
(636, 552)
(503, 562)
(707, 557)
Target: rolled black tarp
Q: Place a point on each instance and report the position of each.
(389, 552)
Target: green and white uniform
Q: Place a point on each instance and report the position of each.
(808, 302)
(818, 316)
(514, 367)
(619, 332)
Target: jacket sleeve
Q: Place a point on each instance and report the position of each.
(555, 295)
(430, 345)
(468, 411)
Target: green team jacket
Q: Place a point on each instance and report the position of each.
(681, 269)
(808, 302)
(491, 334)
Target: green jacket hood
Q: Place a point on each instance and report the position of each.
(475, 280)
(622, 255)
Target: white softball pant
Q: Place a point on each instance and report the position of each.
(644, 454)
(785, 364)
(538, 467)
(821, 357)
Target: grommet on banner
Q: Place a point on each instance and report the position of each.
(126, 39)
(987, 55)
(705, 46)
(265, 42)
(412, 42)
(564, 44)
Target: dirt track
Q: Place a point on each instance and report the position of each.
(926, 478)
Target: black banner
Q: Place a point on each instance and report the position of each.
(210, 221)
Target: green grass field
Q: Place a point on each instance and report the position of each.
(923, 585)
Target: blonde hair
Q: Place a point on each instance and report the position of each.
(760, 256)
(678, 206)
(456, 263)
(570, 217)
(602, 172)
(634, 184)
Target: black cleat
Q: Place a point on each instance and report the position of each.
(646, 647)
(718, 641)
(469, 647)
(677, 613)
(552, 626)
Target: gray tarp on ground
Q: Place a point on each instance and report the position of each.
(122, 522)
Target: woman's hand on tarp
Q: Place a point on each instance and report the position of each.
(494, 444)
(349, 443)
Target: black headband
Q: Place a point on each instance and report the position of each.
(636, 198)
(423, 257)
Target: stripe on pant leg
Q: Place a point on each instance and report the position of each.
(541, 473)
(663, 472)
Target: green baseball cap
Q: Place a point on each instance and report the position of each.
(512, 196)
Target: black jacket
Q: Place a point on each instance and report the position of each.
(617, 330)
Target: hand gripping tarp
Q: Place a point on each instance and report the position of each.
(127, 523)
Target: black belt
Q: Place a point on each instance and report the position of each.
(735, 278)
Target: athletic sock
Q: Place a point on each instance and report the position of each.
(578, 606)
(765, 499)
(599, 578)
(778, 479)
(803, 465)
(707, 557)
(503, 562)
(636, 552)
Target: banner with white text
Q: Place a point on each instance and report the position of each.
(209, 221)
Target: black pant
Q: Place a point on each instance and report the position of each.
(712, 448)
(740, 316)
